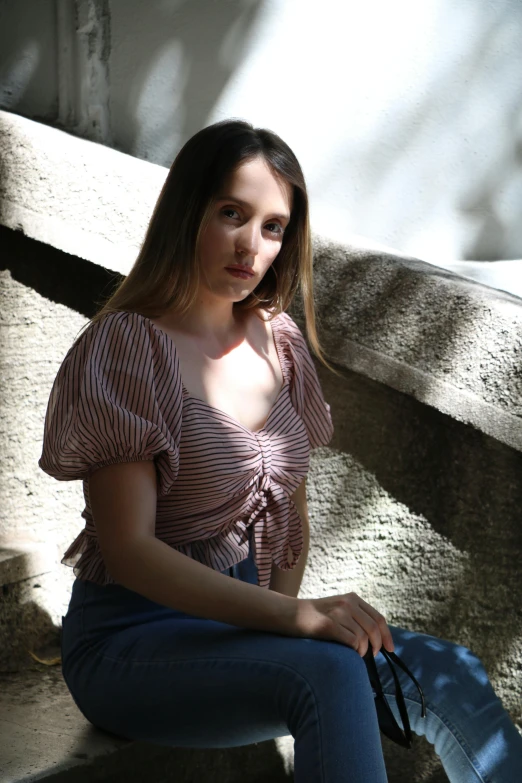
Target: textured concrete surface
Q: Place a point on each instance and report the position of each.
(42, 730)
(20, 559)
(28, 578)
(78, 196)
(420, 515)
(451, 343)
(32, 509)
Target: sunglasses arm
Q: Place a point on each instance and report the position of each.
(397, 660)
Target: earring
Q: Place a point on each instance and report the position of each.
(260, 300)
(270, 299)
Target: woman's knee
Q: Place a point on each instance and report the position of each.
(321, 678)
(321, 661)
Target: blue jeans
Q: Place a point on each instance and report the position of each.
(147, 672)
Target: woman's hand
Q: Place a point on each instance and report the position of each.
(343, 618)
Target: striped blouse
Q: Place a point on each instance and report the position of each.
(119, 397)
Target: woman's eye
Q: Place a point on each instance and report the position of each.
(275, 228)
(229, 210)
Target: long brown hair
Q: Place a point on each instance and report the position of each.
(166, 275)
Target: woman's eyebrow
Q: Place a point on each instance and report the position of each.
(246, 204)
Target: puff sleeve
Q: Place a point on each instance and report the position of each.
(306, 392)
(117, 397)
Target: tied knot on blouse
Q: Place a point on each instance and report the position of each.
(118, 396)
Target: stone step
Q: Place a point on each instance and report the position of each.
(42, 730)
(23, 558)
(45, 737)
(25, 625)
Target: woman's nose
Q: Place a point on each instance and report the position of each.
(248, 241)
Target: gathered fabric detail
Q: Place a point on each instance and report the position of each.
(119, 397)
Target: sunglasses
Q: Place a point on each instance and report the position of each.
(387, 723)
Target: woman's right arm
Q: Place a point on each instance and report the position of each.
(123, 500)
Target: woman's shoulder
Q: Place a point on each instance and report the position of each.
(286, 328)
(117, 326)
(115, 398)
(119, 340)
(123, 319)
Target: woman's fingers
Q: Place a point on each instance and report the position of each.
(369, 633)
(351, 637)
(371, 628)
(385, 633)
(345, 618)
(373, 632)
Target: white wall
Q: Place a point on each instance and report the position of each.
(405, 115)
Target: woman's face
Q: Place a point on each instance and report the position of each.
(246, 227)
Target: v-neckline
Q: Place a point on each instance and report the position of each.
(199, 401)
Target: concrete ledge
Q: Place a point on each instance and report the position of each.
(46, 738)
(23, 559)
(447, 341)
(27, 568)
(76, 195)
(451, 343)
(42, 730)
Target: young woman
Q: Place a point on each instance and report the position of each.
(188, 407)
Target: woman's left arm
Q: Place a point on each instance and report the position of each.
(289, 582)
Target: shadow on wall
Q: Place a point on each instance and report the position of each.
(458, 481)
(169, 63)
(28, 60)
(186, 54)
(83, 292)
(424, 469)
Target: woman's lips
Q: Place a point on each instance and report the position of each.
(239, 273)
